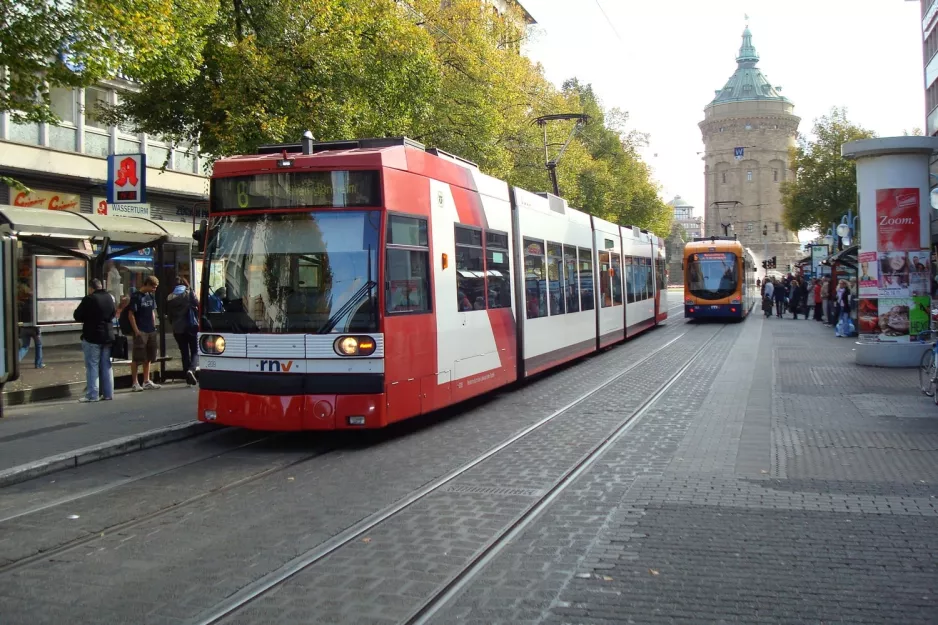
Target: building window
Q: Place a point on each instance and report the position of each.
(535, 285)
(748, 228)
(497, 269)
(95, 100)
(776, 226)
(724, 177)
(63, 104)
(775, 175)
(721, 128)
(408, 265)
(749, 175)
(748, 126)
(470, 270)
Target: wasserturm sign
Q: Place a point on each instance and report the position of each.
(127, 178)
(103, 207)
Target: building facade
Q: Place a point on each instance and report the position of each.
(684, 216)
(748, 129)
(930, 64)
(64, 167)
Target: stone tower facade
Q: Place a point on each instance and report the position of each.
(742, 186)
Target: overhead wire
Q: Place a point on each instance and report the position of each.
(608, 21)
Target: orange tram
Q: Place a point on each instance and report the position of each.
(719, 279)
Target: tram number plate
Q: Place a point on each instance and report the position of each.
(715, 306)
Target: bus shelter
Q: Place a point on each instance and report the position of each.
(844, 266)
(61, 251)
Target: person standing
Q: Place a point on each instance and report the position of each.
(780, 294)
(767, 301)
(818, 301)
(96, 315)
(182, 307)
(142, 319)
(826, 297)
(843, 304)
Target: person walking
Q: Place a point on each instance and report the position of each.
(781, 296)
(767, 301)
(142, 319)
(794, 298)
(818, 301)
(95, 312)
(183, 309)
(843, 305)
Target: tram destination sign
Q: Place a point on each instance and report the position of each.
(296, 189)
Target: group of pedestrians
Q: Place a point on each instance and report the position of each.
(135, 318)
(831, 306)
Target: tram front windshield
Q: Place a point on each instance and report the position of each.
(713, 275)
(298, 272)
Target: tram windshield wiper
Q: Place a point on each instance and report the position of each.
(352, 302)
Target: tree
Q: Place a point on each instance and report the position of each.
(46, 44)
(825, 184)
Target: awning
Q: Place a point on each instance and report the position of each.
(846, 256)
(37, 222)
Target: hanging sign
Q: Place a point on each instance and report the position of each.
(127, 178)
(50, 200)
(103, 207)
(738, 153)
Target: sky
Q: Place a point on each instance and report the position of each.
(662, 62)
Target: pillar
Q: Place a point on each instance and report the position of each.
(894, 269)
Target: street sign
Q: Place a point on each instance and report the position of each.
(104, 207)
(127, 178)
(738, 153)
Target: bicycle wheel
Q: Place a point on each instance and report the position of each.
(926, 373)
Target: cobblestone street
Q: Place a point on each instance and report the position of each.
(701, 473)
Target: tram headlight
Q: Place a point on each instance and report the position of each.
(354, 346)
(735, 301)
(212, 344)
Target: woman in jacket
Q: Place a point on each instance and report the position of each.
(843, 303)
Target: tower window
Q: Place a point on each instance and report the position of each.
(749, 175)
(748, 126)
(721, 128)
(775, 175)
(776, 226)
(748, 228)
(724, 177)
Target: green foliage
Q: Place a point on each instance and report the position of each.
(55, 43)
(825, 184)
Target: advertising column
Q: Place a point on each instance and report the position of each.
(894, 275)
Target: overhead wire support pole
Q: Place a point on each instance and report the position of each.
(551, 164)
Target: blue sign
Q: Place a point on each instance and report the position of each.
(127, 179)
(738, 153)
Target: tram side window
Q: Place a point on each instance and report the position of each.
(605, 282)
(639, 278)
(470, 270)
(535, 279)
(555, 281)
(570, 275)
(629, 280)
(499, 274)
(649, 280)
(407, 289)
(586, 279)
(616, 280)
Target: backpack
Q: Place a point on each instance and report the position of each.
(124, 321)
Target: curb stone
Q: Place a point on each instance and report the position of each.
(102, 451)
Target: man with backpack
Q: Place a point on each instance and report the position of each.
(96, 313)
(140, 316)
(183, 309)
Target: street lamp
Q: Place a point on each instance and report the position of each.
(847, 228)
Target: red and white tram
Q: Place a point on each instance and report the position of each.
(355, 284)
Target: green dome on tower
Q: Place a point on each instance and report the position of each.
(747, 82)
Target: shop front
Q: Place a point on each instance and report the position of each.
(59, 252)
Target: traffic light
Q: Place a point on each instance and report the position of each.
(771, 263)
(765, 264)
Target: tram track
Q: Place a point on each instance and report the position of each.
(319, 452)
(262, 586)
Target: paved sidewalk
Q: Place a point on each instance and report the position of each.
(784, 484)
(32, 432)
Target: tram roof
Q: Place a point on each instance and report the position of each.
(717, 243)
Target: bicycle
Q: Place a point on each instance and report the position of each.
(928, 369)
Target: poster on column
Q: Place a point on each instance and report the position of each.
(919, 273)
(894, 319)
(897, 220)
(893, 274)
(918, 316)
(868, 318)
(869, 274)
